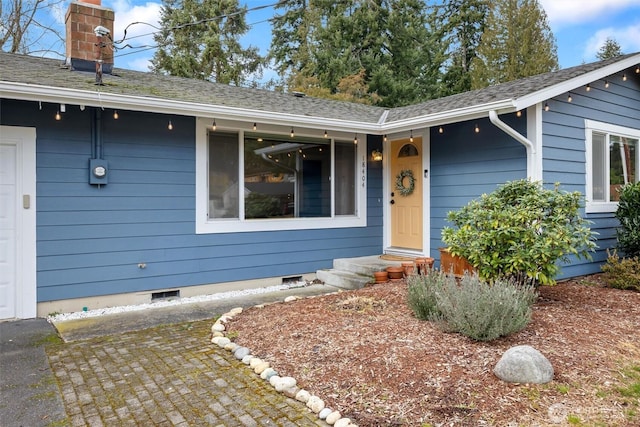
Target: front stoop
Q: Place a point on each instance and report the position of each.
(354, 273)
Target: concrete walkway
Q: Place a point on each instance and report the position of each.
(154, 367)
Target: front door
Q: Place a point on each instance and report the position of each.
(406, 194)
(17, 223)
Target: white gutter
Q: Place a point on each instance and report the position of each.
(529, 145)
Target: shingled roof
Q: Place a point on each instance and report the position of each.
(32, 74)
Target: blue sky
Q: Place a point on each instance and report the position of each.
(580, 27)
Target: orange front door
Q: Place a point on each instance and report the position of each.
(406, 194)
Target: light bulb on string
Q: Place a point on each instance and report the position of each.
(606, 84)
(588, 88)
(326, 135)
(170, 125)
(546, 106)
(569, 98)
(58, 116)
(355, 138)
(624, 77)
(255, 126)
(477, 128)
(440, 130)
(116, 116)
(411, 136)
(292, 134)
(519, 113)
(214, 126)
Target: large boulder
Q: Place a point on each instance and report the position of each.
(524, 364)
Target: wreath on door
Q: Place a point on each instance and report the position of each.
(411, 182)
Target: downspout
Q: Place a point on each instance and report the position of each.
(529, 146)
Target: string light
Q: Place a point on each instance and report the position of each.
(292, 134)
(116, 116)
(214, 125)
(440, 130)
(170, 126)
(546, 106)
(477, 129)
(588, 88)
(326, 135)
(569, 98)
(411, 136)
(606, 84)
(355, 138)
(255, 126)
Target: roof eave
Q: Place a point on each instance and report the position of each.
(55, 95)
(576, 82)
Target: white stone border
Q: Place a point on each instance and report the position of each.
(285, 385)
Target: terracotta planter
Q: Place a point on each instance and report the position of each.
(381, 276)
(454, 264)
(395, 273)
(424, 264)
(408, 267)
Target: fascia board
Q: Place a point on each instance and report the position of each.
(67, 96)
(449, 116)
(568, 85)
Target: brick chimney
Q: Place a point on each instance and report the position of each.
(83, 47)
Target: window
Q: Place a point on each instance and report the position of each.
(612, 160)
(252, 181)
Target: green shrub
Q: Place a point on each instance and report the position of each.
(484, 311)
(628, 214)
(422, 290)
(520, 232)
(622, 273)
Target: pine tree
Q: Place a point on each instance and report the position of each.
(517, 42)
(383, 46)
(610, 49)
(200, 39)
(462, 25)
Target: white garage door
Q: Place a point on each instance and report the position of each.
(7, 231)
(17, 223)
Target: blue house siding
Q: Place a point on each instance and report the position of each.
(465, 164)
(564, 150)
(90, 239)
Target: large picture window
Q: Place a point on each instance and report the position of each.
(257, 181)
(612, 160)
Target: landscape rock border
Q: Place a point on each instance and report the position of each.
(282, 384)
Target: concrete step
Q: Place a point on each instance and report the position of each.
(354, 273)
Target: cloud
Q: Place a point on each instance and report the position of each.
(627, 37)
(140, 22)
(568, 12)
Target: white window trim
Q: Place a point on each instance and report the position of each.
(606, 128)
(206, 226)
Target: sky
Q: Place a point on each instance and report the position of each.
(580, 27)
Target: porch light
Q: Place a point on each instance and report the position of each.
(606, 84)
(326, 135)
(376, 156)
(588, 88)
(546, 106)
(58, 116)
(384, 138)
(214, 124)
(255, 126)
(116, 116)
(637, 69)
(292, 134)
(477, 128)
(569, 98)
(170, 125)
(440, 129)
(355, 138)
(624, 77)
(519, 113)
(411, 136)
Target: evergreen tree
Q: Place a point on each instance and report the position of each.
(517, 42)
(610, 49)
(383, 46)
(200, 39)
(463, 23)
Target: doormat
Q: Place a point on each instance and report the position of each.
(389, 257)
